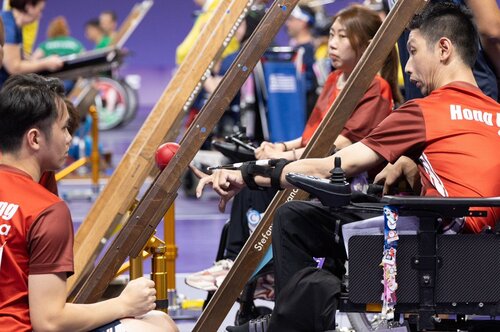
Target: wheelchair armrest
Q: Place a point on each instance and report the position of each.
(453, 207)
(330, 194)
(233, 151)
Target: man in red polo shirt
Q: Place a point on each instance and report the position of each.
(36, 231)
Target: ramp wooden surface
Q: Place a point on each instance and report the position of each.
(145, 218)
(131, 22)
(320, 145)
(161, 124)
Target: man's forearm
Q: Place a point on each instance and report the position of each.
(50, 312)
(294, 144)
(16, 67)
(85, 317)
(355, 159)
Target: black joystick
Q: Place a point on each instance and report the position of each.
(334, 192)
(337, 173)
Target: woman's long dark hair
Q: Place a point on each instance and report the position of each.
(361, 25)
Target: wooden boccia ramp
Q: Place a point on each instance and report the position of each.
(131, 22)
(161, 125)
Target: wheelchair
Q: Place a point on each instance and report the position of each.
(445, 282)
(237, 147)
(115, 99)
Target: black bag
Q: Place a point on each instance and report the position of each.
(308, 302)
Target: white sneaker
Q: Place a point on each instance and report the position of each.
(209, 279)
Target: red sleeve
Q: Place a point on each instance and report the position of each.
(374, 107)
(401, 133)
(50, 240)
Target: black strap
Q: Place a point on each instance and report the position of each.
(248, 177)
(249, 170)
(278, 164)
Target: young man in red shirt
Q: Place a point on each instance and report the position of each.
(36, 231)
(453, 134)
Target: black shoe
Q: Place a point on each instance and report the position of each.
(260, 324)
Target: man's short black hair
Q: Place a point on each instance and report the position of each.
(27, 101)
(93, 22)
(21, 4)
(445, 19)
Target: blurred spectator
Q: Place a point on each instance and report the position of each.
(487, 17)
(95, 33)
(299, 25)
(202, 17)
(22, 13)
(322, 65)
(108, 22)
(380, 6)
(58, 41)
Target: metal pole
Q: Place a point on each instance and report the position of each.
(159, 276)
(94, 156)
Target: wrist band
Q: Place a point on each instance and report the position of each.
(273, 171)
(278, 164)
(249, 170)
(284, 144)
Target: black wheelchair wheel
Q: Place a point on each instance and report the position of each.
(132, 103)
(360, 322)
(364, 322)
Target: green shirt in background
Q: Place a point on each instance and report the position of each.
(104, 42)
(63, 45)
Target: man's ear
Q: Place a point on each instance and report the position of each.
(33, 137)
(445, 49)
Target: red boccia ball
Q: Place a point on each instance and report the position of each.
(165, 153)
